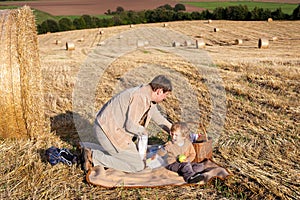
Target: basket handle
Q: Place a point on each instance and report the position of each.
(204, 131)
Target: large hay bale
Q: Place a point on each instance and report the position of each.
(176, 44)
(263, 43)
(57, 42)
(200, 43)
(187, 43)
(21, 94)
(70, 46)
(238, 41)
(216, 29)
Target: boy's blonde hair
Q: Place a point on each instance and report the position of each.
(182, 127)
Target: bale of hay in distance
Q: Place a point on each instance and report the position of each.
(216, 29)
(21, 93)
(263, 43)
(70, 46)
(176, 44)
(200, 43)
(270, 19)
(238, 41)
(57, 42)
(209, 21)
(187, 43)
(165, 25)
(101, 32)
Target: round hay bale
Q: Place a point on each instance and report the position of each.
(200, 43)
(216, 29)
(21, 92)
(274, 38)
(140, 43)
(131, 26)
(57, 42)
(176, 44)
(270, 19)
(238, 41)
(263, 43)
(165, 25)
(209, 21)
(187, 43)
(101, 32)
(80, 40)
(70, 46)
(101, 43)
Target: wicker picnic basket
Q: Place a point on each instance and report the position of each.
(203, 147)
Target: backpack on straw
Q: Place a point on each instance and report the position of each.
(56, 155)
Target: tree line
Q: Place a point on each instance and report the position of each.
(164, 13)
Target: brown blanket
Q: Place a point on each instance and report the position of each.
(152, 177)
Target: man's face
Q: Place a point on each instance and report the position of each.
(160, 95)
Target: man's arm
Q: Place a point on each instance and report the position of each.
(160, 119)
(134, 114)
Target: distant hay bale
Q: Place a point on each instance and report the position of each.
(21, 93)
(101, 43)
(131, 26)
(216, 29)
(57, 42)
(200, 43)
(274, 38)
(187, 43)
(101, 32)
(270, 19)
(238, 41)
(70, 46)
(140, 43)
(80, 40)
(165, 25)
(176, 44)
(200, 36)
(263, 43)
(209, 21)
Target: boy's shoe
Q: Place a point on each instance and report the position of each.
(196, 178)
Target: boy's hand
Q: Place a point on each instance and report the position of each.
(181, 158)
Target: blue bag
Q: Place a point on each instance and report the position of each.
(56, 155)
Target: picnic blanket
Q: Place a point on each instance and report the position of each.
(152, 177)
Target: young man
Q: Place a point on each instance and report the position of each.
(124, 117)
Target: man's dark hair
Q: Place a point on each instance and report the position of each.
(161, 82)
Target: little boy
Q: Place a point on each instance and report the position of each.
(180, 153)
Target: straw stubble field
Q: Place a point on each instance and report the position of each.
(260, 140)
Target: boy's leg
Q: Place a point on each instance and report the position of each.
(183, 169)
(186, 171)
